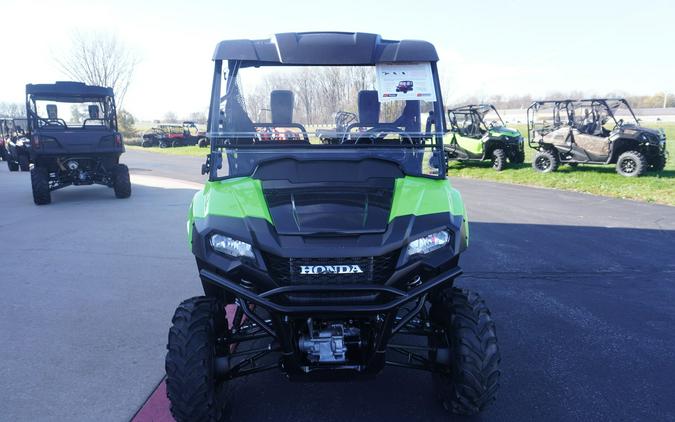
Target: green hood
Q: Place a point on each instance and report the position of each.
(497, 132)
(243, 197)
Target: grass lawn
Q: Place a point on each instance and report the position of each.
(594, 179)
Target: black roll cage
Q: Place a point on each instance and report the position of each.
(475, 109)
(569, 106)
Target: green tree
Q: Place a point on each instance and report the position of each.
(126, 122)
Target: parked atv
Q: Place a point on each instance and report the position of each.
(593, 132)
(15, 144)
(173, 135)
(478, 133)
(84, 150)
(335, 258)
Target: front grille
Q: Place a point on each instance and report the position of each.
(289, 271)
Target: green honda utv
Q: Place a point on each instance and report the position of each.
(478, 133)
(327, 256)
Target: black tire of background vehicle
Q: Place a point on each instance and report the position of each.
(658, 164)
(164, 144)
(470, 381)
(545, 161)
(193, 388)
(24, 162)
(631, 164)
(39, 180)
(202, 143)
(498, 159)
(147, 143)
(121, 181)
(518, 157)
(12, 165)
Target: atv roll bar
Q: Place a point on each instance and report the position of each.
(557, 105)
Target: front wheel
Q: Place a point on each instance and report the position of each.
(164, 144)
(631, 164)
(467, 379)
(545, 162)
(39, 180)
(24, 162)
(203, 143)
(121, 181)
(194, 389)
(498, 159)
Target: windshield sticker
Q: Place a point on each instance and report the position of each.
(405, 81)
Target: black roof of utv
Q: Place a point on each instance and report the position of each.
(325, 48)
(64, 90)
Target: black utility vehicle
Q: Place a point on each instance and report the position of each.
(15, 144)
(336, 258)
(83, 150)
(477, 133)
(593, 131)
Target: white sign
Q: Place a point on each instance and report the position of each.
(405, 81)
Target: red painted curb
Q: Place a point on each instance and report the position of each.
(156, 407)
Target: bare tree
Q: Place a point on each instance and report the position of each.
(99, 58)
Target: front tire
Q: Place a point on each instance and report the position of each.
(498, 159)
(203, 143)
(192, 385)
(545, 162)
(39, 180)
(24, 162)
(467, 384)
(121, 181)
(164, 144)
(631, 164)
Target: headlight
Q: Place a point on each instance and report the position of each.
(232, 247)
(428, 243)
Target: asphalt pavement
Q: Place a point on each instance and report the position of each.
(582, 289)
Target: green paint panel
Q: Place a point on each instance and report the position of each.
(239, 197)
(422, 196)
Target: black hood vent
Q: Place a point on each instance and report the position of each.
(329, 197)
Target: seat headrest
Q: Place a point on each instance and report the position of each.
(281, 106)
(93, 111)
(52, 112)
(369, 108)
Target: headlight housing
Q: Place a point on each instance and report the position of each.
(429, 243)
(232, 247)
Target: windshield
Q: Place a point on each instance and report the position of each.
(90, 113)
(329, 112)
(491, 118)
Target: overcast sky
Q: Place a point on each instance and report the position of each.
(486, 47)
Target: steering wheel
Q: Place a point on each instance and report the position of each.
(618, 125)
(379, 132)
